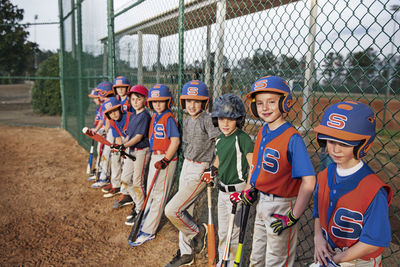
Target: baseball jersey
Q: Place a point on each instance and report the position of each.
(102, 117)
(97, 116)
(198, 135)
(353, 208)
(280, 159)
(120, 127)
(162, 127)
(231, 151)
(125, 103)
(139, 124)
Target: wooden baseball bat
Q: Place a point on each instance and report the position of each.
(135, 229)
(103, 140)
(89, 166)
(228, 238)
(212, 261)
(243, 226)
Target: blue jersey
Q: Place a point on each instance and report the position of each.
(139, 124)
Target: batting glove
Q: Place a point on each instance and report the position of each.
(162, 164)
(283, 221)
(209, 174)
(235, 197)
(249, 196)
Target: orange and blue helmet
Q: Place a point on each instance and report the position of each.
(119, 82)
(271, 84)
(194, 90)
(111, 105)
(159, 92)
(350, 122)
(105, 89)
(94, 93)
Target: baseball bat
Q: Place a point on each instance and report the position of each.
(211, 231)
(228, 238)
(243, 225)
(89, 166)
(99, 158)
(104, 141)
(135, 229)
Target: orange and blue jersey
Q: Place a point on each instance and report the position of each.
(280, 159)
(353, 208)
(162, 127)
(97, 116)
(119, 128)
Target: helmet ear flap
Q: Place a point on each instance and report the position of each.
(215, 121)
(240, 122)
(183, 103)
(321, 142)
(150, 105)
(253, 109)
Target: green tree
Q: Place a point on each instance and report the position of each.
(16, 53)
(46, 97)
(333, 65)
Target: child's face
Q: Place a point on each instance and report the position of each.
(341, 154)
(137, 102)
(227, 125)
(159, 106)
(193, 107)
(268, 107)
(121, 90)
(114, 114)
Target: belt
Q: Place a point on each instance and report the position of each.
(194, 161)
(230, 188)
(268, 194)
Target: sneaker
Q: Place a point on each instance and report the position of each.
(122, 201)
(112, 192)
(198, 242)
(92, 177)
(132, 214)
(100, 184)
(107, 188)
(181, 260)
(142, 238)
(130, 219)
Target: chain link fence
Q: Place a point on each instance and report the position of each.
(329, 51)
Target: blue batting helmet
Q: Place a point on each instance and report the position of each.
(119, 82)
(195, 90)
(111, 105)
(349, 122)
(105, 89)
(159, 92)
(271, 84)
(229, 106)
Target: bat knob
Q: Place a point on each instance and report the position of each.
(85, 129)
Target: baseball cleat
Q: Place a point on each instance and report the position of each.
(113, 191)
(181, 260)
(100, 184)
(142, 238)
(122, 201)
(198, 242)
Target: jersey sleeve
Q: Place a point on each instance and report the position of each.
(246, 144)
(212, 131)
(299, 158)
(172, 128)
(114, 132)
(376, 225)
(315, 213)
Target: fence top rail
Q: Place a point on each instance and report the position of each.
(166, 24)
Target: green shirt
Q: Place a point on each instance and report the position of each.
(231, 152)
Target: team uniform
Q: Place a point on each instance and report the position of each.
(199, 146)
(163, 127)
(352, 204)
(280, 160)
(121, 81)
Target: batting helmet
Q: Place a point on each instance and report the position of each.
(271, 84)
(349, 122)
(119, 82)
(105, 89)
(111, 105)
(159, 92)
(139, 89)
(94, 93)
(195, 90)
(229, 106)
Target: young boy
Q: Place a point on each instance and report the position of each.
(233, 155)
(281, 170)
(121, 86)
(351, 203)
(199, 136)
(94, 94)
(137, 140)
(164, 140)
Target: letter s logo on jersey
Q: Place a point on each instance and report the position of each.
(192, 91)
(159, 132)
(270, 160)
(347, 224)
(337, 121)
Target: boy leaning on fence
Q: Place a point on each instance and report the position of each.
(351, 203)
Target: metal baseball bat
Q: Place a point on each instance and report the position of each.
(212, 261)
(243, 226)
(89, 166)
(135, 229)
(228, 238)
(99, 159)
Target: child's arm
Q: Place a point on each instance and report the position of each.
(134, 140)
(322, 248)
(249, 158)
(98, 126)
(356, 251)
(304, 196)
(173, 147)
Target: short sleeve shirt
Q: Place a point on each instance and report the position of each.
(139, 124)
(198, 138)
(231, 151)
